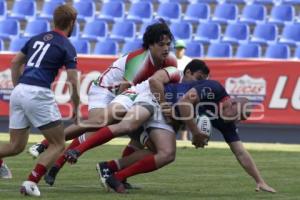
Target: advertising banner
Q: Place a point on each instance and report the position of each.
(273, 85)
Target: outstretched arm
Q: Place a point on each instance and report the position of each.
(247, 162)
(17, 67)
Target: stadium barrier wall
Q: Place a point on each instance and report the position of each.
(273, 84)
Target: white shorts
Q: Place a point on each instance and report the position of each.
(157, 120)
(32, 104)
(99, 97)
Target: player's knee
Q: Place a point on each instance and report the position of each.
(128, 127)
(167, 156)
(16, 149)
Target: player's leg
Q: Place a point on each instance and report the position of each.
(165, 143)
(133, 119)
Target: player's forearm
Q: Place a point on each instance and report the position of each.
(157, 89)
(17, 67)
(186, 111)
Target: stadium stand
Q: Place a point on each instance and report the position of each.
(1, 45)
(199, 22)
(107, 47)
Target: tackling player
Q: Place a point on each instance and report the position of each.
(32, 101)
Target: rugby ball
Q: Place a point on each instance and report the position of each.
(204, 125)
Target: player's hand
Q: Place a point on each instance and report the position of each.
(264, 187)
(199, 140)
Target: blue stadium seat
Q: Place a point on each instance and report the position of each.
(281, 14)
(170, 11)
(207, 32)
(9, 28)
(36, 27)
(1, 45)
(267, 2)
(48, 9)
(218, 50)
(122, 31)
(264, 34)
(86, 10)
(17, 44)
(297, 52)
(76, 31)
(291, 2)
(140, 12)
(278, 51)
(225, 12)
(95, 30)
(3, 9)
(112, 11)
(81, 46)
(238, 1)
(59, 1)
(253, 14)
(197, 12)
(290, 34)
(236, 33)
(107, 47)
(131, 46)
(182, 30)
(23, 10)
(248, 51)
(194, 49)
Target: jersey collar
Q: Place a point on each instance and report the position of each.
(59, 32)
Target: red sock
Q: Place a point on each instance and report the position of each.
(100, 137)
(112, 165)
(61, 160)
(1, 161)
(127, 151)
(37, 173)
(45, 143)
(147, 164)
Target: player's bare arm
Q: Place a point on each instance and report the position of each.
(74, 83)
(17, 67)
(186, 109)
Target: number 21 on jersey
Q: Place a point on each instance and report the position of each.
(40, 47)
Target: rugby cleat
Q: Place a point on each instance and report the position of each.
(115, 184)
(5, 172)
(129, 186)
(103, 172)
(36, 149)
(30, 188)
(51, 175)
(72, 156)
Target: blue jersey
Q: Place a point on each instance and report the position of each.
(209, 91)
(45, 55)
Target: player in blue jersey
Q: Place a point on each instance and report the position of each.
(32, 101)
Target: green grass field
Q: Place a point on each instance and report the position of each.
(212, 173)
